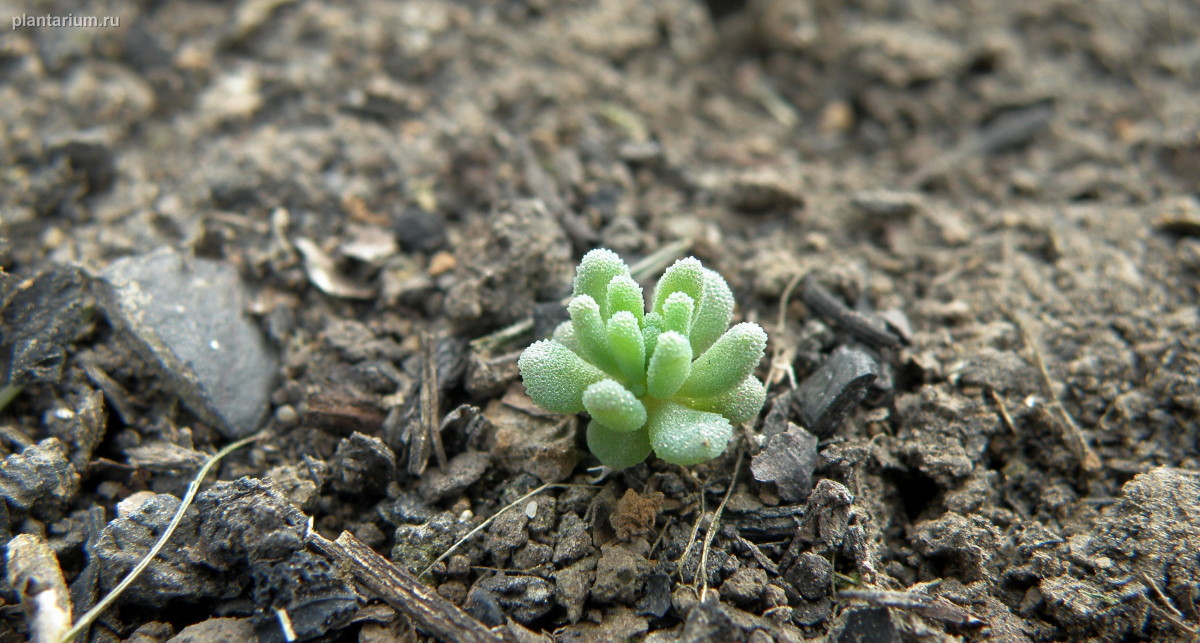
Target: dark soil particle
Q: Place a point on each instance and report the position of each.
(970, 230)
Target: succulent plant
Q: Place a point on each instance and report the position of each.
(673, 380)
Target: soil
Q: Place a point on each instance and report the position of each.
(349, 201)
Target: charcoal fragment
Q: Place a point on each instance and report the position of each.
(362, 465)
(657, 599)
(524, 598)
(317, 596)
(249, 520)
(825, 398)
(868, 328)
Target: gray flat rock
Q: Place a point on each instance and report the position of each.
(186, 315)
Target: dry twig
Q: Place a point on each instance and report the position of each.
(399, 589)
(34, 573)
(1071, 432)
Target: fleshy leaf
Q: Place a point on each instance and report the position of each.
(617, 450)
(625, 294)
(669, 366)
(686, 436)
(685, 276)
(729, 361)
(614, 406)
(652, 325)
(739, 403)
(555, 377)
(564, 334)
(628, 346)
(590, 333)
(596, 270)
(714, 311)
(677, 313)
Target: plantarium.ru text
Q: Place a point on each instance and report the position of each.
(673, 380)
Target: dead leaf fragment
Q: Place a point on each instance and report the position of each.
(635, 513)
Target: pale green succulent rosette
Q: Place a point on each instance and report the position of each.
(672, 380)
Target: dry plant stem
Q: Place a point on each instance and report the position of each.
(86, 620)
(712, 527)
(1003, 408)
(936, 608)
(1167, 609)
(8, 394)
(285, 624)
(1072, 435)
(428, 436)
(34, 573)
(399, 589)
(692, 537)
(781, 359)
(483, 525)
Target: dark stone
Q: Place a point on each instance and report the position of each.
(92, 160)
(39, 479)
(463, 470)
(506, 533)
(788, 460)
(484, 606)
(745, 587)
(418, 230)
(811, 576)
(867, 625)
(405, 509)
(574, 539)
(620, 575)
(186, 316)
(40, 318)
(180, 572)
(709, 622)
(418, 545)
(532, 555)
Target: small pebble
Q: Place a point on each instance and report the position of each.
(286, 415)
